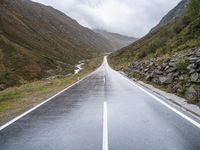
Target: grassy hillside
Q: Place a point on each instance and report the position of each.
(169, 57)
(180, 34)
(37, 41)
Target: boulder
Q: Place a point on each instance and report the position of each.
(176, 74)
(159, 67)
(171, 69)
(155, 80)
(153, 74)
(150, 64)
(197, 64)
(191, 67)
(181, 78)
(147, 69)
(148, 77)
(192, 71)
(194, 77)
(164, 65)
(192, 59)
(176, 87)
(191, 93)
(165, 80)
(172, 64)
(158, 72)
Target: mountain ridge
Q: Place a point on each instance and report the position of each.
(117, 40)
(177, 11)
(37, 41)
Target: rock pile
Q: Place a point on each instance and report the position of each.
(180, 72)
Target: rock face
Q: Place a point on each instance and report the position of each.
(180, 72)
(179, 10)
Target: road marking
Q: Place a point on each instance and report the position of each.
(49, 99)
(105, 127)
(165, 104)
(104, 80)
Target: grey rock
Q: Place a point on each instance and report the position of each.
(172, 64)
(171, 69)
(148, 77)
(181, 78)
(147, 69)
(165, 80)
(158, 72)
(150, 64)
(194, 77)
(192, 59)
(191, 67)
(192, 71)
(154, 74)
(170, 75)
(159, 67)
(191, 93)
(164, 65)
(155, 80)
(176, 74)
(176, 87)
(197, 64)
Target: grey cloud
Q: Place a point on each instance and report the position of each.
(129, 17)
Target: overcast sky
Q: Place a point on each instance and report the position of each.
(128, 17)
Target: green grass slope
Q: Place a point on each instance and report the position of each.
(37, 41)
(180, 34)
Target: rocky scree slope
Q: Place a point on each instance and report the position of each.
(37, 41)
(168, 57)
(179, 73)
(117, 41)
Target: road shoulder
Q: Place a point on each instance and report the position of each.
(172, 98)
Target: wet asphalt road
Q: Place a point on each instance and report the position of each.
(74, 120)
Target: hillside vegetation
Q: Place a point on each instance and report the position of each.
(180, 34)
(37, 41)
(168, 57)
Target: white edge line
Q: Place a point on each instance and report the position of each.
(164, 103)
(37, 106)
(105, 127)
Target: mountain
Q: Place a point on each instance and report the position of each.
(179, 10)
(118, 41)
(37, 41)
(168, 57)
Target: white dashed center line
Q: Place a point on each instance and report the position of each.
(105, 127)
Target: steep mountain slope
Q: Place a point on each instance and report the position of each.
(167, 57)
(179, 10)
(38, 41)
(118, 41)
